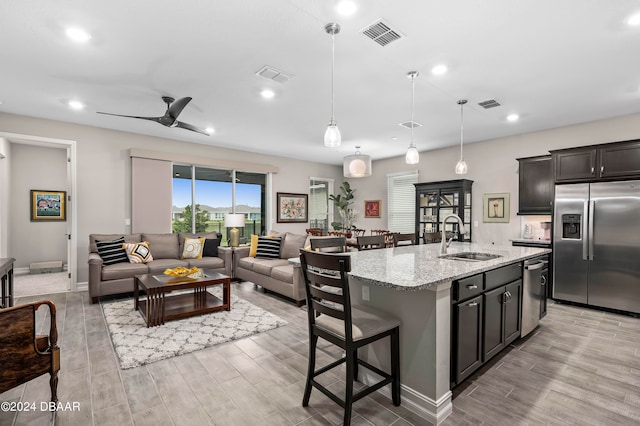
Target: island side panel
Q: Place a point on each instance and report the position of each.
(425, 341)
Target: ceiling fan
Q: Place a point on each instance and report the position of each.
(170, 117)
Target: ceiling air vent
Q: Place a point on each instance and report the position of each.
(410, 124)
(381, 32)
(490, 103)
(273, 74)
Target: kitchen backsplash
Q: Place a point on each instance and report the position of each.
(535, 227)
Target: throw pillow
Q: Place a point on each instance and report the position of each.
(112, 252)
(254, 244)
(211, 247)
(193, 248)
(268, 248)
(138, 252)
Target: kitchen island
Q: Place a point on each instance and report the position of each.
(414, 284)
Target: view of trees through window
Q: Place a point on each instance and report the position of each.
(207, 195)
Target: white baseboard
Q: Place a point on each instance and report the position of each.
(26, 270)
(82, 286)
(434, 411)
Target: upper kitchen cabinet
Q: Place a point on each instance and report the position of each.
(535, 187)
(618, 160)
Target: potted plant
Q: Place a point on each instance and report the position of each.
(343, 202)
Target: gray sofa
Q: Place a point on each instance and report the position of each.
(276, 275)
(166, 250)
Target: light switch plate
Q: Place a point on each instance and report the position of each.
(365, 293)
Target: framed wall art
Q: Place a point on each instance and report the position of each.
(372, 208)
(48, 205)
(292, 208)
(495, 207)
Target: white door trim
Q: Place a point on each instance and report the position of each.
(72, 206)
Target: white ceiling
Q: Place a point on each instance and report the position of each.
(555, 63)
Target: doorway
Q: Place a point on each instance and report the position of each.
(64, 233)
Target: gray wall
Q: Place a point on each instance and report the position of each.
(5, 150)
(41, 168)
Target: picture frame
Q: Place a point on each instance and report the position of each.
(48, 206)
(372, 208)
(495, 208)
(292, 208)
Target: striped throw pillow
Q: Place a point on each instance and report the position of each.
(268, 248)
(112, 252)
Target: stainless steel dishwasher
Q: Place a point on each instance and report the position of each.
(531, 294)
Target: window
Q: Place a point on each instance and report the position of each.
(203, 196)
(319, 212)
(402, 200)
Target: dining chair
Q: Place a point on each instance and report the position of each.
(331, 316)
(336, 233)
(24, 355)
(370, 242)
(329, 245)
(400, 239)
(315, 232)
(431, 237)
(379, 231)
(359, 232)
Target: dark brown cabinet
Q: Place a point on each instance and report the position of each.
(436, 200)
(486, 317)
(618, 160)
(535, 185)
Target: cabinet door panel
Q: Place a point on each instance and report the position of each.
(493, 326)
(512, 314)
(620, 161)
(535, 186)
(575, 165)
(468, 338)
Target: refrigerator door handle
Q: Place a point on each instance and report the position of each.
(585, 235)
(592, 211)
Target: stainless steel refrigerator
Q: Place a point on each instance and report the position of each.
(596, 244)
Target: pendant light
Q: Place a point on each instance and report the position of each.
(412, 157)
(332, 137)
(461, 167)
(357, 165)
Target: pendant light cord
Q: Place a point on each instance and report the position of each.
(413, 90)
(461, 127)
(333, 66)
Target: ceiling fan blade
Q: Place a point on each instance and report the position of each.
(177, 106)
(156, 119)
(190, 127)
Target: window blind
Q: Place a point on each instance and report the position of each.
(401, 202)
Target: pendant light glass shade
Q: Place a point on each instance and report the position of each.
(332, 136)
(412, 157)
(357, 165)
(461, 167)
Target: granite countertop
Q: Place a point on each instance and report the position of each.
(531, 240)
(412, 268)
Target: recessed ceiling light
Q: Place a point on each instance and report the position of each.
(267, 93)
(346, 8)
(513, 117)
(78, 35)
(77, 105)
(394, 138)
(210, 130)
(439, 69)
(634, 20)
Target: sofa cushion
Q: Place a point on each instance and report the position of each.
(264, 266)
(291, 245)
(211, 247)
(130, 238)
(163, 246)
(157, 266)
(268, 248)
(193, 248)
(183, 235)
(207, 263)
(247, 263)
(138, 252)
(283, 273)
(111, 251)
(123, 270)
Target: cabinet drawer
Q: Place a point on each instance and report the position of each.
(504, 275)
(467, 287)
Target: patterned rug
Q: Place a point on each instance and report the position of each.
(137, 345)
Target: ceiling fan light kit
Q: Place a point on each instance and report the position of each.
(461, 167)
(357, 165)
(332, 136)
(170, 117)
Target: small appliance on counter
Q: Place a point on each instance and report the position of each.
(527, 234)
(546, 227)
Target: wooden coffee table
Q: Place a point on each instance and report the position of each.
(159, 306)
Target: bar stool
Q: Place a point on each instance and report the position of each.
(371, 242)
(332, 317)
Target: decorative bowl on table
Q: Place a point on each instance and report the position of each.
(183, 272)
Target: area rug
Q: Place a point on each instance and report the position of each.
(137, 345)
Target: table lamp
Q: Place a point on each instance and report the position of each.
(234, 221)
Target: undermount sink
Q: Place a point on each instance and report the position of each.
(470, 256)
